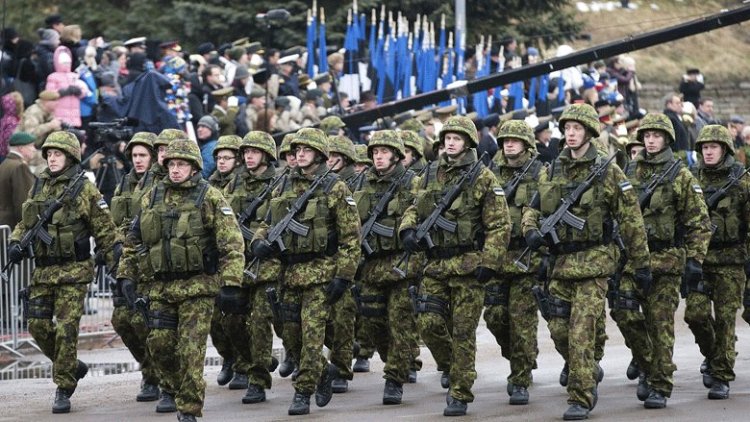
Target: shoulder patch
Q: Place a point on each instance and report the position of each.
(498, 191)
(102, 204)
(349, 200)
(697, 189)
(625, 186)
(226, 211)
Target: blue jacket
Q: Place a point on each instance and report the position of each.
(207, 153)
(88, 104)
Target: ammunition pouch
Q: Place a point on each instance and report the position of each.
(372, 311)
(176, 276)
(82, 249)
(162, 320)
(291, 312)
(558, 308)
(497, 294)
(628, 301)
(428, 303)
(42, 307)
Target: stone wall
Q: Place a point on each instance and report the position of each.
(729, 98)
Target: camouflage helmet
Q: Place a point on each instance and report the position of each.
(184, 149)
(517, 129)
(168, 135)
(412, 140)
(313, 138)
(632, 141)
(331, 125)
(718, 134)
(462, 125)
(656, 121)
(362, 158)
(342, 145)
(411, 124)
(386, 138)
(65, 142)
(262, 141)
(230, 142)
(285, 147)
(583, 114)
(145, 139)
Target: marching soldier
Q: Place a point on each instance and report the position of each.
(727, 192)
(583, 257)
(62, 255)
(363, 161)
(459, 262)
(193, 244)
(414, 150)
(227, 160)
(158, 170)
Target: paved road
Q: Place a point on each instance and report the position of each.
(112, 397)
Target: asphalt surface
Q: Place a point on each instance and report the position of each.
(112, 397)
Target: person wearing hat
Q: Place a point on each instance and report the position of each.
(679, 231)
(16, 178)
(459, 264)
(333, 126)
(158, 170)
(208, 134)
(63, 268)
(136, 45)
(285, 121)
(584, 259)
(443, 113)
(363, 161)
(191, 264)
(289, 83)
(323, 83)
(634, 147)
(169, 49)
(312, 108)
(39, 119)
(546, 145)
(49, 40)
(413, 151)
(225, 111)
(256, 106)
(317, 271)
(691, 86)
(226, 156)
(285, 152)
(712, 302)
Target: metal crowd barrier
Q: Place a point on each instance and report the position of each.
(14, 333)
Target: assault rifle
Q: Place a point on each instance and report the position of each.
(251, 209)
(563, 214)
(613, 282)
(713, 201)
(288, 223)
(371, 225)
(644, 199)
(436, 217)
(39, 230)
(512, 185)
(276, 311)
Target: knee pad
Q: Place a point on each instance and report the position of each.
(162, 320)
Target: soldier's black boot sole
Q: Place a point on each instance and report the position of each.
(576, 412)
(455, 407)
(719, 391)
(149, 392)
(633, 370)
(166, 403)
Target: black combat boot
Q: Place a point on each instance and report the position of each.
(274, 364)
(239, 382)
(519, 395)
(324, 390)
(226, 373)
(393, 392)
(643, 389)
(633, 370)
(412, 376)
(564, 376)
(445, 380)
(149, 392)
(287, 367)
(708, 379)
(655, 400)
(81, 370)
(185, 417)
(62, 401)
(719, 391)
(599, 373)
(166, 403)
(576, 412)
(361, 365)
(255, 394)
(300, 404)
(455, 407)
(340, 385)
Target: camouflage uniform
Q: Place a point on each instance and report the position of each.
(678, 228)
(64, 268)
(724, 274)
(331, 125)
(362, 157)
(510, 293)
(159, 171)
(312, 262)
(187, 237)
(449, 275)
(414, 141)
(231, 142)
(584, 259)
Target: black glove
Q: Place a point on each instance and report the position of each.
(15, 253)
(127, 287)
(644, 279)
(100, 259)
(116, 253)
(484, 274)
(262, 249)
(233, 300)
(336, 289)
(70, 90)
(534, 239)
(747, 269)
(409, 240)
(693, 273)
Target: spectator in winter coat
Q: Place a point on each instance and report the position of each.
(70, 87)
(45, 51)
(12, 104)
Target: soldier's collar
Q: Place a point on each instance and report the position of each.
(660, 157)
(469, 158)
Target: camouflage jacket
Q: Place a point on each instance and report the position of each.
(219, 180)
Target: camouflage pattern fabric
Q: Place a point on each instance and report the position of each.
(584, 114)
(462, 125)
(633, 325)
(659, 309)
(715, 133)
(65, 142)
(222, 338)
(132, 329)
(339, 335)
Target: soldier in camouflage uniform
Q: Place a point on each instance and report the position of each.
(724, 267)
(285, 151)
(251, 327)
(63, 267)
(129, 324)
(333, 126)
(318, 267)
(363, 161)
(633, 147)
(414, 149)
(158, 170)
(461, 263)
(679, 229)
(190, 243)
(510, 293)
(583, 259)
(385, 310)
(227, 160)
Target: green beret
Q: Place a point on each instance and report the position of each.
(21, 138)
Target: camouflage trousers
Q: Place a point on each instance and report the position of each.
(132, 329)
(306, 314)
(715, 331)
(451, 335)
(339, 335)
(388, 317)
(366, 348)
(179, 354)
(576, 337)
(59, 339)
(659, 309)
(632, 323)
(252, 337)
(516, 335)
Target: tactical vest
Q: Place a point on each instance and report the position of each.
(590, 207)
(320, 239)
(369, 196)
(70, 234)
(465, 211)
(525, 191)
(239, 198)
(127, 203)
(179, 244)
(659, 217)
(731, 229)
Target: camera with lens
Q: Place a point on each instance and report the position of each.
(118, 130)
